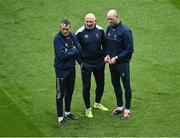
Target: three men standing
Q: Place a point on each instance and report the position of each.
(96, 49)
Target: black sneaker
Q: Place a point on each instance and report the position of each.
(72, 117)
(63, 123)
(116, 112)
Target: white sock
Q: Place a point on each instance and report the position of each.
(96, 103)
(60, 118)
(89, 108)
(67, 113)
(127, 110)
(120, 108)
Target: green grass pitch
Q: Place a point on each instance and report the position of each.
(27, 79)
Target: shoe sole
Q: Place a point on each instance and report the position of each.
(100, 109)
(89, 116)
(62, 124)
(121, 113)
(124, 118)
(68, 118)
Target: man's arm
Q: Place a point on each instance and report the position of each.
(103, 42)
(61, 51)
(128, 43)
(77, 38)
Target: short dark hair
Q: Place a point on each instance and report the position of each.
(66, 22)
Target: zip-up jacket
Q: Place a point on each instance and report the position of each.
(66, 51)
(92, 43)
(119, 40)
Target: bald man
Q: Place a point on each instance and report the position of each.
(92, 40)
(119, 52)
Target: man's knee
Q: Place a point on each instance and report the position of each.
(59, 96)
(115, 83)
(100, 84)
(86, 87)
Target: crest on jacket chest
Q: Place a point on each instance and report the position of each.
(86, 36)
(97, 35)
(109, 34)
